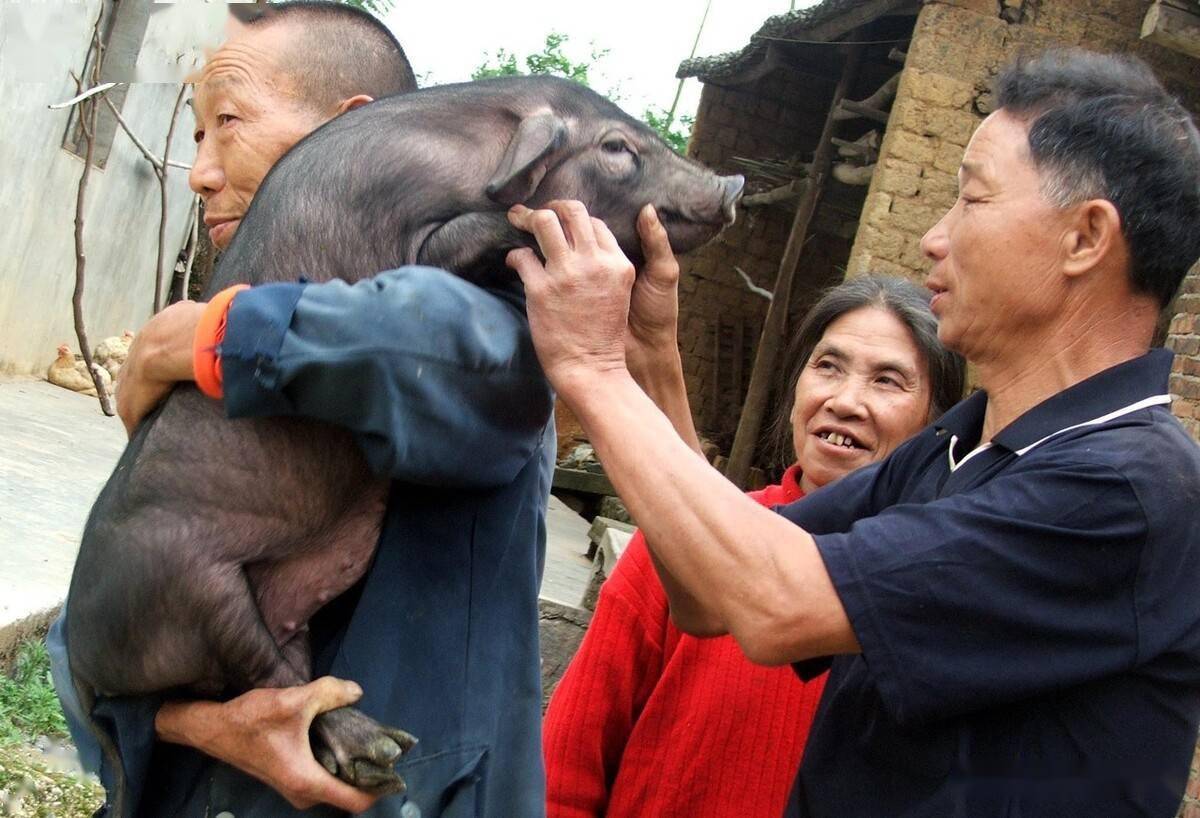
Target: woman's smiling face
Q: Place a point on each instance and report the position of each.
(864, 390)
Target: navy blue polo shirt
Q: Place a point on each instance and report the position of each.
(1028, 611)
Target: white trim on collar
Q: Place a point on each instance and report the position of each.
(983, 447)
(1156, 400)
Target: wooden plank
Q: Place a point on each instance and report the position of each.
(738, 353)
(585, 482)
(858, 109)
(714, 406)
(1173, 28)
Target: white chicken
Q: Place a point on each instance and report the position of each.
(112, 352)
(72, 374)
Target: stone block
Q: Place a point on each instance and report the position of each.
(1185, 346)
(908, 146)
(956, 127)
(560, 630)
(901, 166)
(939, 89)
(936, 182)
(947, 157)
(912, 255)
(899, 184)
(911, 217)
(890, 268)
(887, 244)
(1186, 386)
(957, 42)
(877, 209)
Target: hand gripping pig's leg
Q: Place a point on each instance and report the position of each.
(349, 744)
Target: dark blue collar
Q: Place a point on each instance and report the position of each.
(1112, 390)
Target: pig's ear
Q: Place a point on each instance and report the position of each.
(524, 163)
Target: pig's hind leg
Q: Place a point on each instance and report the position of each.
(352, 746)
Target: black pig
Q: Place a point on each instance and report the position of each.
(201, 578)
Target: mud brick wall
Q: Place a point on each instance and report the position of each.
(957, 48)
(1184, 341)
(757, 120)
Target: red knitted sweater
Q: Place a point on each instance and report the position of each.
(650, 722)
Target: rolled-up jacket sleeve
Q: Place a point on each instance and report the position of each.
(436, 378)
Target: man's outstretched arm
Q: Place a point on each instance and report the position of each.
(743, 568)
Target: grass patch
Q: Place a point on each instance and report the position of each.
(29, 707)
(31, 789)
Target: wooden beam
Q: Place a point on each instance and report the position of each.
(764, 373)
(858, 109)
(783, 193)
(1173, 27)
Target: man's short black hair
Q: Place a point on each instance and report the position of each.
(339, 51)
(1102, 127)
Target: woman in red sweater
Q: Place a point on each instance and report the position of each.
(648, 721)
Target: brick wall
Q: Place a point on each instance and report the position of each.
(1184, 340)
(762, 119)
(957, 47)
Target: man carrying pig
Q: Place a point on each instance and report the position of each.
(442, 632)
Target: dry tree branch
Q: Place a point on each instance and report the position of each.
(116, 112)
(193, 241)
(88, 112)
(162, 189)
(752, 287)
(80, 97)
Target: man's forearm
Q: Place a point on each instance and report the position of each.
(756, 574)
(661, 376)
(186, 723)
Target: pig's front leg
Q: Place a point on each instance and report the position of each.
(473, 245)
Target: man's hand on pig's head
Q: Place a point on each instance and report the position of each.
(578, 301)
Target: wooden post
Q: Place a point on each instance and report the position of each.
(1173, 27)
(764, 373)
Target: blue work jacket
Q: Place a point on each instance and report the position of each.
(439, 382)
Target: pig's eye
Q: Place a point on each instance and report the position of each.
(614, 146)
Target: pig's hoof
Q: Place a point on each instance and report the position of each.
(360, 750)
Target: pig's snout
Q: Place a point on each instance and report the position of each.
(732, 187)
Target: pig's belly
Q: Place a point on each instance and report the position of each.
(291, 589)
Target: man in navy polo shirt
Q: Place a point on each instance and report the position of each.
(1010, 598)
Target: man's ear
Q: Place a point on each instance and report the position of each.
(352, 103)
(1094, 236)
(524, 163)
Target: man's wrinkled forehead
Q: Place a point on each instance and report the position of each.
(247, 62)
(1000, 136)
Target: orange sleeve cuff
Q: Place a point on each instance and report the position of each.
(206, 363)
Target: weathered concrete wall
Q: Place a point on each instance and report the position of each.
(39, 182)
(957, 48)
